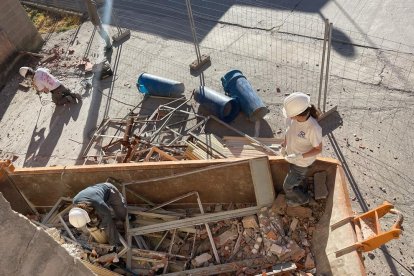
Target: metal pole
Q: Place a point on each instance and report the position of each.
(196, 44)
(325, 37)
(210, 236)
(327, 66)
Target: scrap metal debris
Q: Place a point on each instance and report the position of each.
(274, 240)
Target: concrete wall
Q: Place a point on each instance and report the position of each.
(17, 32)
(28, 250)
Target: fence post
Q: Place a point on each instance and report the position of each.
(325, 38)
(327, 67)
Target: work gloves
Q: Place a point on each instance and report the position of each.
(293, 157)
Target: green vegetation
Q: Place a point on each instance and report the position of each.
(47, 22)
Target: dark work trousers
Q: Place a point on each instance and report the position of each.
(117, 203)
(294, 183)
(62, 96)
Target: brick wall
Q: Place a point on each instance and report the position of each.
(17, 33)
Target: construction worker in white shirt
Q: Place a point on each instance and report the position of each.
(45, 82)
(303, 142)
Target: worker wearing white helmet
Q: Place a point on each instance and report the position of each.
(92, 208)
(45, 82)
(303, 141)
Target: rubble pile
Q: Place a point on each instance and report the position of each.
(276, 239)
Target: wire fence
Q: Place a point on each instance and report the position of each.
(279, 51)
(371, 80)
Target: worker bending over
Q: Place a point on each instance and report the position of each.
(92, 208)
(45, 82)
(303, 142)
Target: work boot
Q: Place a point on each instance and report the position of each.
(108, 49)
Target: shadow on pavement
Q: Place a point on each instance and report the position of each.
(41, 147)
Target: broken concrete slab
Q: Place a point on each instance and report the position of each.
(319, 185)
(31, 247)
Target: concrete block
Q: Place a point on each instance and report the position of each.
(201, 259)
(299, 211)
(319, 185)
(276, 249)
(226, 237)
(250, 222)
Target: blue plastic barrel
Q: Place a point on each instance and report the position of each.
(237, 86)
(218, 104)
(158, 86)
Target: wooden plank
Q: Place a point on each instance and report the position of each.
(123, 167)
(251, 139)
(188, 173)
(244, 140)
(98, 270)
(262, 181)
(153, 215)
(207, 218)
(226, 268)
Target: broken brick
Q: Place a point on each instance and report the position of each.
(250, 222)
(299, 211)
(49, 58)
(279, 205)
(271, 235)
(296, 252)
(320, 189)
(309, 262)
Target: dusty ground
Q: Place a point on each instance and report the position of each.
(371, 134)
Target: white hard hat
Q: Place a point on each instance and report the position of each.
(78, 217)
(23, 71)
(295, 103)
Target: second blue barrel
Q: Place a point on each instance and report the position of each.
(237, 86)
(158, 86)
(220, 105)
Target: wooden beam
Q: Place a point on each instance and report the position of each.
(226, 268)
(243, 161)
